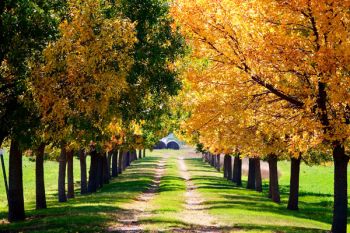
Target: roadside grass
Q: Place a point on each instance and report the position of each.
(251, 211)
(234, 208)
(87, 213)
(168, 203)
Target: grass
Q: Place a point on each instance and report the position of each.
(251, 211)
(88, 213)
(233, 208)
(51, 179)
(166, 207)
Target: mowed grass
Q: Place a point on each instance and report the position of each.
(88, 213)
(250, 211)
(234, 208)
(166, 206)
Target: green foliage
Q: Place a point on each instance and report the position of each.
(315, 157)
(25, 28)
(153, 77)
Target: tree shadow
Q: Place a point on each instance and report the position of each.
(312, 206)
(91, 212)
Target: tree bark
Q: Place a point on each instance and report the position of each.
(2, 138)
(109, 165)
(39, 178)
(294, 184)
(340, 189)
(115, 168)
(93, 184)
(251, 174)
(218, 162)
(225, 166)
(144, 153)
(237, 171)
(70, 174)
(83, 176)
(273, 174)
(99, 170)
(16, 198)
(62, 174)
(121, 162)
(258, 180)
(229, 167)
(105, 168)
(134, 152)
(127, 159)
(140, 154)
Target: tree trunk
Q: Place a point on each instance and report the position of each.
(225, 165)
(83, 182)
(115, 169)
(121, 162)
(2, 138)
(109, 165)
(15, 198)
(131, 156)
(140, 154)
(99, 170)
(127, 159)
(134, 154)
(273, 184)
(229, 167)
(212, 160)
(93, 184)
(258, 180)
(105, 169)
(144, 153)
(218, 162)
(251, 174)
(70, 174)
(340, 189)
(62, 174)
(39, 178)
(237, 171)
(294, 184)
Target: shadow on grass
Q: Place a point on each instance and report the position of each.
(173, 225)
(88, 213)
(313, 206)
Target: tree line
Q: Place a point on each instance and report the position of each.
(269, 80)
(88, 78)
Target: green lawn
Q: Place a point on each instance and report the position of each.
(89, 213)
(166, 207)
(232, 207)
(251, 211)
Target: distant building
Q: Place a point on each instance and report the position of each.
(170, 142)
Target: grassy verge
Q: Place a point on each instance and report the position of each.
(88, 213)
(168, 204)
(251, 211)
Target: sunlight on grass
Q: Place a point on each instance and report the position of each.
(254, 212)
(88, 213)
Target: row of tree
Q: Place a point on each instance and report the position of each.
(91, 77)
(232, 169)
(270, 79)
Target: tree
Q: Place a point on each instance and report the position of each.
(25, 28)
(153, 78)
(290, 57)
(294, 184)
(82, 73)
(39, 177)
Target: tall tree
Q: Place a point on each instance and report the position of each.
(288, 57)
(25, 28)
(39, 177)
